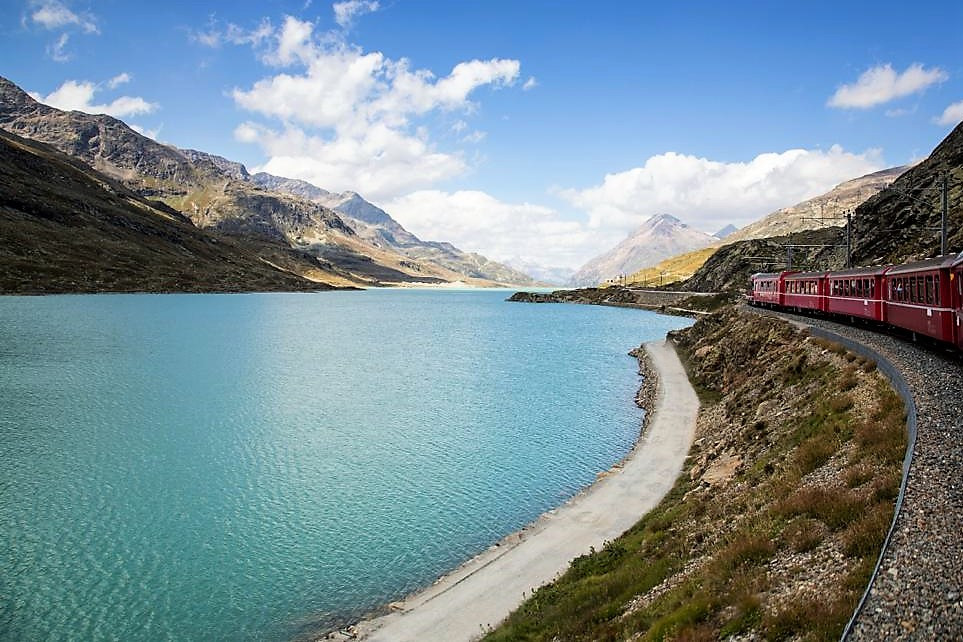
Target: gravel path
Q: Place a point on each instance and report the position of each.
(918, 592)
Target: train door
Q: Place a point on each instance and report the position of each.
(956, 297)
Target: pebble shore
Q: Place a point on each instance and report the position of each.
(918, 592)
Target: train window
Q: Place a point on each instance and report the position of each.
(911, 289)
(929, 289)
(936, 289)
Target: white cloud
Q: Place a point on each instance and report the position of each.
(357, 120)
(709, 194)
(952, 115)
(215, 36)
(57, 50)
(474, 137)
(881, 84)
(531, 83)
(74, 95)
(477, 222)
(379, 163)
(54, 15)
(294, 43)
(346, 12)
(119, 79)
(143, 131)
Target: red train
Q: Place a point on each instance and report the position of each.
(925, 297)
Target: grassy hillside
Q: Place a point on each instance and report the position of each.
(773, 530)
(673, 269)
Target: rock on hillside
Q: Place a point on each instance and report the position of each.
(832, 205)
(69, 228)
(658, 238)
(730, 267)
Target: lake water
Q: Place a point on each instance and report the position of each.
(253, 467)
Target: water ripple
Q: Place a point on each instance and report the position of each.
(251, 466)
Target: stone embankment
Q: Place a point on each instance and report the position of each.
(918, 590)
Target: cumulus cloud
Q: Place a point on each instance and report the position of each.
(478, 222)
(952, 115)
(79, 96)
(881, 84)
(346, 12)
(709, 194)
(119, 79)
(379, 163)
(54, 15)
(351, 119)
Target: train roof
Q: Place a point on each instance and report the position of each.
(807, 275)
(772, 275)
(874, 270)
(945, 261)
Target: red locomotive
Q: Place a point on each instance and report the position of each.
(925, 297)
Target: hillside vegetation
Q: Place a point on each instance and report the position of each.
(773, 529)
(673, 269)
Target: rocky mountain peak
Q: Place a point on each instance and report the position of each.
(659, 237)
(231, 168)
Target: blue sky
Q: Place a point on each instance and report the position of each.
(537, 132)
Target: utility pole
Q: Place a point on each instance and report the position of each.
(944, 190)
(849, 239)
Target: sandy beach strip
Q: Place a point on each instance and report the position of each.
(462, 605)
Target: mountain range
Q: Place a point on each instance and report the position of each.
(338, 238)
(825, 210)
(659, 237)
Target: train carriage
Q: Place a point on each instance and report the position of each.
(768, 288)
(856, 293)
(806, 291)
(919, 297)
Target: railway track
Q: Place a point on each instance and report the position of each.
(917, 592)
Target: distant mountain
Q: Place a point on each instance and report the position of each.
(658, 238)
(377, 227)
(825, 210)
(550, 275)
(726, 231)
(219, 195)
(68, 228)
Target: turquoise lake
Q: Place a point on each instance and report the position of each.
(261, 466)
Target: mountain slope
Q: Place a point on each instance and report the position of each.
(213, 192)
(832, 205)
(658, 238)
(68, 228)
(376, 226)
(902, 222)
